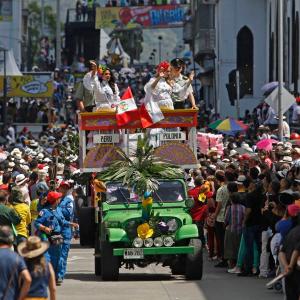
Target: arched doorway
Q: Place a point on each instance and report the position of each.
(245, 57)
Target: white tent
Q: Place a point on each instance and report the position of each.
(11, 66)
(104, 39)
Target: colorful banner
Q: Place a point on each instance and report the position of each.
(160, 16)
(6, 10)
(32, 85)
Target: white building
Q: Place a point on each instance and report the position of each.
(243, 34)
(11, 27)
(241, 43)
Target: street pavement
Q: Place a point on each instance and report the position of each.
(156, 282)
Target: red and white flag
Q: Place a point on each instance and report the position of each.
(127, 110)
(150, 112)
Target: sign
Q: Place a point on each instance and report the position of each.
(173, 136)
(160, 16)
(6, 10)
(287, 100)
(106, 138)
(32, 85)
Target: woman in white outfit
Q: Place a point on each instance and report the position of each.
(102, 83)
(162, 86)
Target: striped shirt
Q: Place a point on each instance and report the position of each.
(234, 216)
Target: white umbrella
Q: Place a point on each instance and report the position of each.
(268, 87)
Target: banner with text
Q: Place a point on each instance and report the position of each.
(160, 16)
(6, 10)
(32, 85)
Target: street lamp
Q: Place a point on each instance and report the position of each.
(4, 116)
(154, 55)
(159, 46)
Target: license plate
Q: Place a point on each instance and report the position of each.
(134, 253)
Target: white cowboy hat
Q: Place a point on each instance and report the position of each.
(286, 159)
(233, 153)
(20, 179)
(18, 156)
(47, 160)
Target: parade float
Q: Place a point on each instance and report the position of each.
(141, 206)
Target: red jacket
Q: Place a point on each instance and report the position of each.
(199, 210)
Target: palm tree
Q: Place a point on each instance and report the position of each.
(142, 171)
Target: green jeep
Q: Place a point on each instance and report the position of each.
(169, 238)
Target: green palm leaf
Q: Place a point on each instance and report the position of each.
(142, 171)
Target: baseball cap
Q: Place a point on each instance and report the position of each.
(177, 62)
(52, 197)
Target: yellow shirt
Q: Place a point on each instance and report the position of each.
(33, 209)
(23, 211)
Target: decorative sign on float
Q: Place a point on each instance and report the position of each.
(106, 138)
(173, 136)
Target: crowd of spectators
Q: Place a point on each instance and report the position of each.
(247, 208)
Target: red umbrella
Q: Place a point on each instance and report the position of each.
(266, 144)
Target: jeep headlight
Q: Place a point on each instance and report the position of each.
(148, 242)
(137, 242)
(172, 224)
(168, 241)
(158, 242)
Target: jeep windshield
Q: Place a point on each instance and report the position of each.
(168, 191)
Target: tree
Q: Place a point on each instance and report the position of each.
(142, 171)
(35, 30)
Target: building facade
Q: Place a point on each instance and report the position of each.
(11, 27)
(226, 36)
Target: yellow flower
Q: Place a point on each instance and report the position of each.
(144, 231)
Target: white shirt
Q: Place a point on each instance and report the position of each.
(286, 129)
(162, 92)
(104, 96)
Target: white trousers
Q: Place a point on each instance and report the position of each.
(264, 257)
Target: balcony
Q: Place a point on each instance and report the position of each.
(205, 42)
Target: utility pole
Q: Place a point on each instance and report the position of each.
(237, 80)
(58, 37)
(280, 68)
(159, 47)
(4, 102)
(43, 17)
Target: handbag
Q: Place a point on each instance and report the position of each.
(56, 239)
(11, 277)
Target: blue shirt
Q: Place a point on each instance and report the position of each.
(10, 262)
(39, 284)
(66, 208)
(51, 218)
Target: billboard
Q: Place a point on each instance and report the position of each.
(31, 85)
(6, 10)
(159, 16)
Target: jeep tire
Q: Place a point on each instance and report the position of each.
(97, 258)
(109, 263)
(178, 265)
(87, 226)
(194, 261)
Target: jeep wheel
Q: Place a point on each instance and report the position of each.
(97, 255)
(194, 261)
(178, 266)
(87, 226)
(109, 263)
(98, 266)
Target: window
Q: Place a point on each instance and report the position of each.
(245, 57)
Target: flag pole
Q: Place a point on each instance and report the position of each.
(280, 68)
